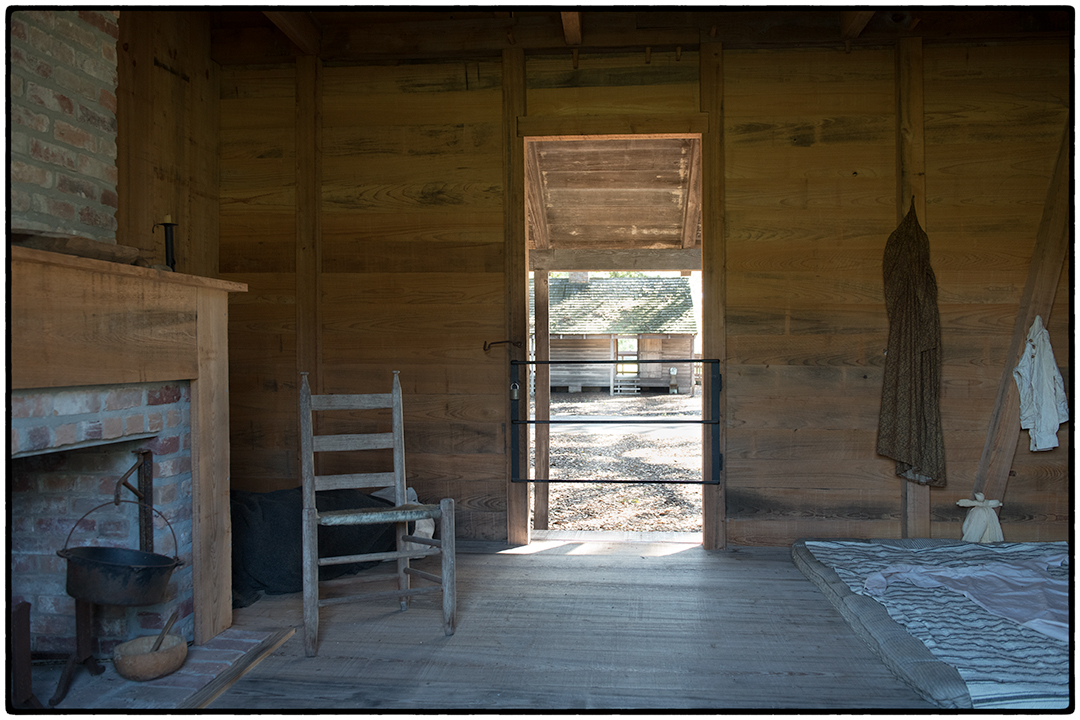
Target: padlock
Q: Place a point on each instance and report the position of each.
(514, 391)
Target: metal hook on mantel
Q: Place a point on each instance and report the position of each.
(488, 346)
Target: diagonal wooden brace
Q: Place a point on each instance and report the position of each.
(1047, 259)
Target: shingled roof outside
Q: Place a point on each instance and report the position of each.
(622, 305)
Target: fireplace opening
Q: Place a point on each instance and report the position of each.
(52, 486)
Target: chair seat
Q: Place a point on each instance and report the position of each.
(372, 515)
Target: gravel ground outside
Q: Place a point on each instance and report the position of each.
(628, 453)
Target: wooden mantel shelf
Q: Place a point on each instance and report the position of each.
(78, 321)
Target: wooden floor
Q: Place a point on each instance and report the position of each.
(572, 625)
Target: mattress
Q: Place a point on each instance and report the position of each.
(950, 649)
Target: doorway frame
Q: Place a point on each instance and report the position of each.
(709, 123)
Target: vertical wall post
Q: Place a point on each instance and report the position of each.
(713, 282)
(308, 216)
(541, 294)
(517, 279)
(911, 184)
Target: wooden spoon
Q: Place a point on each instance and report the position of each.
(164, 631)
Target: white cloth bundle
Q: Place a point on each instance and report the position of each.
(1043, 406)
(981, 524)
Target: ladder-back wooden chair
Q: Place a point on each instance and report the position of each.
(400, 515)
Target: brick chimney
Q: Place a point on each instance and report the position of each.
(62, 89)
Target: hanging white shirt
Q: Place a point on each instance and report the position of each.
(1042, 392)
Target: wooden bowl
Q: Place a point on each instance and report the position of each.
(134, 661)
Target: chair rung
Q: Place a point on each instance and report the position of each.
(424, 575)
(366, 577)
(371, 557)
(379, 595)
(422, 540)
(379, 515)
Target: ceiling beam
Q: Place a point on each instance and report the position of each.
(608, 260)
(571, 24)
(852, 22)
(430, 35)
(626, 124)
(300, 28)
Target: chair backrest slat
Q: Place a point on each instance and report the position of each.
(311, 443)
(373, 401)
(353, 480)
(364, 441)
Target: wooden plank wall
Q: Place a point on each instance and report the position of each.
(413, 268)
(581, 348)
(994, 121)
(632, 83)
(258, 247)
(413, 264)
(810, 203)
(167, 134)
(660, 348)
(410, 277)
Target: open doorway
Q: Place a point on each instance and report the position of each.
(614, 230)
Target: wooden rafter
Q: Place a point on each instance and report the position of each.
(300, 28)
(536, 225)
(692, 202)
(852, 22)
(1044, 272)
(571, 22)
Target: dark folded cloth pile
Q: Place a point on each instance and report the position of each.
(267, 552)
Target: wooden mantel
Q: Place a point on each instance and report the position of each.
(78, 321)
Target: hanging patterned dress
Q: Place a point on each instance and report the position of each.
(909, 426)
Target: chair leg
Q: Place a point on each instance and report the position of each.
(402, 529)
(311, 582)
(449, 559)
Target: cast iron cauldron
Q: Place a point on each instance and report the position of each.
(118, 576)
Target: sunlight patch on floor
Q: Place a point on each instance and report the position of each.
(606, 543)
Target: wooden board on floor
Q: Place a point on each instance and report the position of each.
(209, 692)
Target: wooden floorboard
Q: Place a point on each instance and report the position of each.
(578, 625)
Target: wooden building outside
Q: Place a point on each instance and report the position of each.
(653, 317)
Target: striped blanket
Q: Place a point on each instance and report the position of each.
(1003, 663)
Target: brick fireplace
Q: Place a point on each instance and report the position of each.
(72, 436)
(105, 358)
(69, 448)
